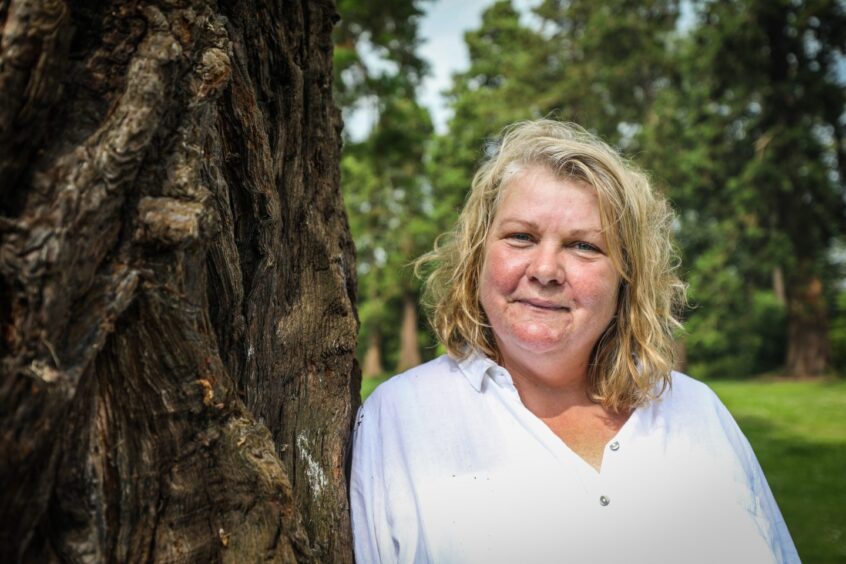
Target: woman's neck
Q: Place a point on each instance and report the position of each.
(549, 388)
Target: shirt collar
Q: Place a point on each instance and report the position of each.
(474, 367)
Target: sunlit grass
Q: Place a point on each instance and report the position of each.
(798, 431)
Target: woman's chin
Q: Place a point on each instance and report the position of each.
(539, 342)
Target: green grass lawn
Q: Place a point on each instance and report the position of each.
(798, 431)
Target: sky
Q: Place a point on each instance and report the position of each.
(442, 33)
(442, 30)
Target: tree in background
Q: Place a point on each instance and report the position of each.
(177, 284)
(606, 62)
(387, 196)
(389, 212)
(369, 38)
(755, 124)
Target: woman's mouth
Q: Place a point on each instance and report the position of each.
(544, 304)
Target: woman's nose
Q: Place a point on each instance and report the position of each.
(546, 266)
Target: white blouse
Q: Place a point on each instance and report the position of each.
(450, 466)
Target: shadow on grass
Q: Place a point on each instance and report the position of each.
(809, 483)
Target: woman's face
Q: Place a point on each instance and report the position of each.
(548, 286)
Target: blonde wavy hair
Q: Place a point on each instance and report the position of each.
(631, 362)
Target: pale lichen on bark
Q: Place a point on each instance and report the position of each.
(168, 221)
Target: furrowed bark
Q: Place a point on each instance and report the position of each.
(176, 284)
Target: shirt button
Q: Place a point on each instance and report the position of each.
(604, 500)
(615, 446)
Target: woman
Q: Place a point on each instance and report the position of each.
(554, 429)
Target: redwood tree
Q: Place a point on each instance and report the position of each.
(176, 283)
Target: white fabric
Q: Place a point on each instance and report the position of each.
(449, 466)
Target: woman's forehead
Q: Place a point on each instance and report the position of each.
(523, 184)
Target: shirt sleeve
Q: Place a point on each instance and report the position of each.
(383, 499)
(368, 501)
(767, 512)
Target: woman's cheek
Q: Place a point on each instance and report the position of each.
(596, 286)
(503, 269)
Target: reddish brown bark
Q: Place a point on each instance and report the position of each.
(372, 363)
(409, 347)
(808, 347)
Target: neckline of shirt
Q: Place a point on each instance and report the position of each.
(476, 366)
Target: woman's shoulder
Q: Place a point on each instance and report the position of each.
(418, 401)
(686, 388)
(427, 382)
(691, 409)
(690, 399)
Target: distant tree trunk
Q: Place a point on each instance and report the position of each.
(808, 347)
(177, 326)
(409, 347)
(681, 355)
(372, 364)
(778, 286)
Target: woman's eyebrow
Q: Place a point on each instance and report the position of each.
(585, 232)
(578, 232)
(522, 222)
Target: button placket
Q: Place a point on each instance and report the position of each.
(605, 499)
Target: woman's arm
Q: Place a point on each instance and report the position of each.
(368, 503)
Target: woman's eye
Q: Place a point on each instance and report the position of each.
(523, 237)
(587, 247)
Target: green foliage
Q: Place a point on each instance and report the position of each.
(740, 341)
(388, 198)
(600, 64)
(389, 36)
(606, 62)
(388, 206)
(753, 119)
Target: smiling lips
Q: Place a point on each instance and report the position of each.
(543, 304)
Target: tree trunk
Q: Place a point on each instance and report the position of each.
(372, 364)
(680, 363)
(176, 284)
(808, 348)
(778, 285)
(409, 348)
